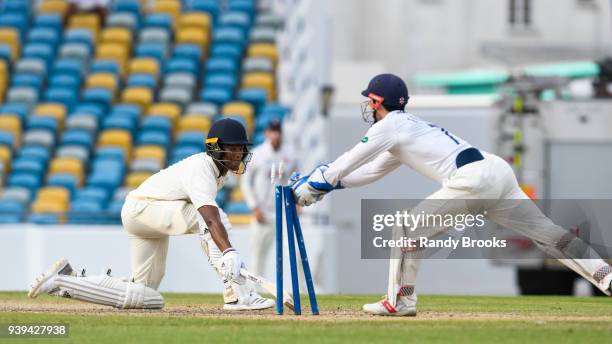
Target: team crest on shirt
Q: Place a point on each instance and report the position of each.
(364, 140)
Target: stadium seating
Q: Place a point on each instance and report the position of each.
(90, 109)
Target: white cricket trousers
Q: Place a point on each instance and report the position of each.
(149, 223)
(490, 185)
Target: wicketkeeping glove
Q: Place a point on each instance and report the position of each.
(311, 189)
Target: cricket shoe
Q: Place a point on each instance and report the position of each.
(405, 306)
(45, 283)
(253, 301)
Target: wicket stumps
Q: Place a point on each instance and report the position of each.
(284, 195)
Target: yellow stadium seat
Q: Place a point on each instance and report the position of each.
(84, 21)
(5, 156)
(144, 65)
(53, 6)
(237, 195)
(193, 36)
(67, 165)
(116, 137)
(239, 219)
(260, 80)
(55, 110)
(117, 35)
(45, 207)
(113, 51)
(54, 193)
(10, 123)
(140, 96)
(102, 80)
(169, 110)
(243, 109)
(150, 152)
(170, 7)
(263, 50)
(134, 179)
(197, 20)
(10, 37)
(194, 123)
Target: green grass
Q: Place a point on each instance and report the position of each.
(442, 319)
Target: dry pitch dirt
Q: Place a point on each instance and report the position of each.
(214, 311)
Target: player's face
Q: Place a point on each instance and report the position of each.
(275, 137)
(234, 157)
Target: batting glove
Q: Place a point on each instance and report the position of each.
(230, 266)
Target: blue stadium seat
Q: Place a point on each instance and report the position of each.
(153, 50)
(276, 109)
(129, 110)
(44, 52)
(18, 109)
(65, 180)
(221, 65)
(6, 53)
(89, 193)
(28, 166)
(106, 173)
(27, 181)
(160, 20)
(218, 96)
(42, 122)
(78, 137)
(101, 96)
(18, 21)
(259, 138)
(222, 196)
(68, 66)
(190, 138)
(38, 153)
(11, 211)
(66, 96)
(188, 51)
(104, 66)
(224, 80)
(209, 6)
(226, 50)
(239, 20)
(131, 6)
(27, 80)
(67, 81)
(7, 139)
(142, 80)
(154, 138)
(114, 209)
(183, 152)
(244, 6)
(79, 36)
(156, 123)
(44, 219)
(110, 153)
(43, 35)
(182, 65)
(229, 35)
(15, 6)
(255, 96)
(89, 108)
(119, 122)
(48, 21)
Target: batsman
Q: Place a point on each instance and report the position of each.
(175, 201)
(465, 172)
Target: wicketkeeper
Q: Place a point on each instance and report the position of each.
(398, 138)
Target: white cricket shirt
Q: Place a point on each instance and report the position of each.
(399, 138)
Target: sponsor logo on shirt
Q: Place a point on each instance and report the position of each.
(364, 140)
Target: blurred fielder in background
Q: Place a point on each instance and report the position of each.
(398, 138)
(259, 192)
(175, 201)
